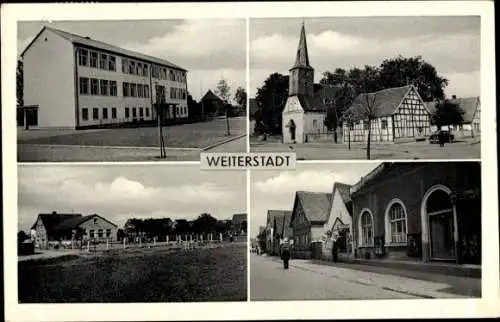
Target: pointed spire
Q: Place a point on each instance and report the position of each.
(302, 59)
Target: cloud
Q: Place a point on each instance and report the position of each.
(218, 43)
(289, 182)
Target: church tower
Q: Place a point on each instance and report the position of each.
(301, 74)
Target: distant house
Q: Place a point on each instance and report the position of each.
(55, 227)
(471, 123)
(338, 227)
(309, 214)
(399, 114)
(239, 224)
(212, 105)
(270, 228)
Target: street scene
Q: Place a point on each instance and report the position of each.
(124, 233)
(366, 231)
(377, 104)
(127, 100)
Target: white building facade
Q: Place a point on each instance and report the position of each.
(78, 82)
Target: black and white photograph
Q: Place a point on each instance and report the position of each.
(127, 233)
(339, 88)
(366, 231)
(130, 90)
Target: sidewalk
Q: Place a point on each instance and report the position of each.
(465, 270)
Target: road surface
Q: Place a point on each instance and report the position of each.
(308, 281)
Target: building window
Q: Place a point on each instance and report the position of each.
(103, 61)
(94, 88)
(105, 113)
(91, 233)
(146, 91)
(95, 113)
(141, 112)
(163, 73)
(138, 69)
(134, 112)
(113, 113)
(124, 65)
(100, 233)
(145, 70)
(366, 229)
(365, 125)
(85, 114)
(133, 91)
(112, 63)
(127, 112)
(104, 87)
(93, 59)
(140, 90)
(84, 85)
(108, 233)
(113, 89)
(83, 57)
(384, 124)
(131, 67)
(147, 111)
(397, 224)
(126, 89)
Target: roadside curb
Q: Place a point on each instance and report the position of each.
(222, 142)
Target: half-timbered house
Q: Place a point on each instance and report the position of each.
(471, 117)
(397, 114)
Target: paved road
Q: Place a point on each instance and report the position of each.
(412, 150)
(307, 281)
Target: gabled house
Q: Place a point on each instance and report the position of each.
(471, 119)
(338, 228)
(309, 214)
(271, 228)
(55, 228)
(399, 114)
(280, 231)
(212, 105)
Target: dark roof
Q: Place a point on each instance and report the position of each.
(278, 221)
(316, 205)
(52, 220)
(77, 39)
(311, 104)
(385, 102)
(302, 58)
(210, 96)
(72, 223)
(239, 218)
(287, 221)
(271, 214)
(344, 191)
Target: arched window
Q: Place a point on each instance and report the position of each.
(397, 223)
(315, 124)
(366, 229)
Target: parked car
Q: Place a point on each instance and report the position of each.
(447, 135)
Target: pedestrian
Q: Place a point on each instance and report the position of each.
(285, 252)
(441, 138)
(334, 251)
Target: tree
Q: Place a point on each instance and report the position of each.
(22, 236)
(271, 99)
(194, 108)
(240, 97)
(19, 83)
(224, 92)
(447, 113)
(261, 239)
(400, 71)
(205, 223)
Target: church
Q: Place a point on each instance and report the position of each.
(307, 104)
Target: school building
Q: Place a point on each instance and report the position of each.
(71, 81)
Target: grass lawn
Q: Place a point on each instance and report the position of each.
(140, 275)
(196, 135)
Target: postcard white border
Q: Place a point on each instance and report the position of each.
(487, 306)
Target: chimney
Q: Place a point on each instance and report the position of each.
(454, 96)
(87, 37)
(54, 212)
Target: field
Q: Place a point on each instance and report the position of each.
(137, 275)
(196, 135)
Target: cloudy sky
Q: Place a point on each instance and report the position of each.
(208, 49)
(276, 189)
(119, 192)
(450, 44)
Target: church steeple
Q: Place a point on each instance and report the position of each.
(301, 73)
(302, 59)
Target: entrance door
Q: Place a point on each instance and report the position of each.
(441, 226)
(441, 236)
(292, 127)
